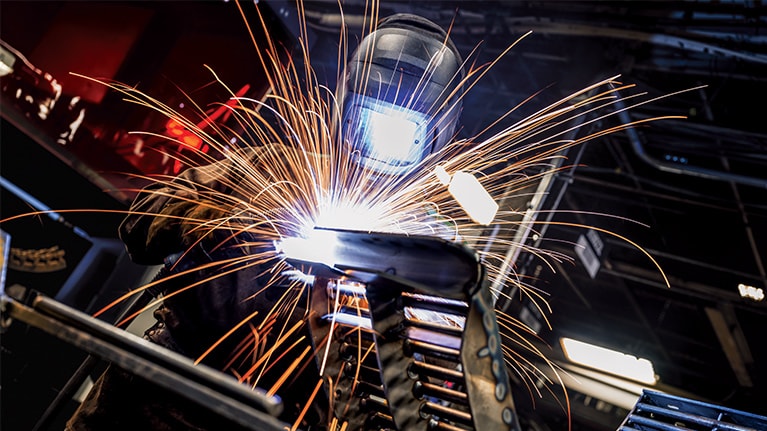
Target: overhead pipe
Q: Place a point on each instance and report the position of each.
(696, 171)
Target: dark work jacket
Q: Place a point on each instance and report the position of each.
(191, 321)
(197, 317)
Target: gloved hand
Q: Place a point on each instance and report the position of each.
(213, 297)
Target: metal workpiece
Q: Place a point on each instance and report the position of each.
(435, 362)
(483, 363)
(482, 400)
(209, 388)
(396, 351)
(427, 264)
(658, 411)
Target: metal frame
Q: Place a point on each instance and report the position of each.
(400, 271)
(210, 388)
(656, 411)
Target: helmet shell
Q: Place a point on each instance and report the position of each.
(401, 98)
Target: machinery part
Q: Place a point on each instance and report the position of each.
(656, 411)
(407, 337)
(91, 361)
(209, 388)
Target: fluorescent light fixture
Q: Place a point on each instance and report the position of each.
(751, 292)
(610, 361)
(470, 195)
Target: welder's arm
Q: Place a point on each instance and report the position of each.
(155, 227)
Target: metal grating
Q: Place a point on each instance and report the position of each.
(407, 336)
(656, 411)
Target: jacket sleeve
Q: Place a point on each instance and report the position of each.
(154, 227)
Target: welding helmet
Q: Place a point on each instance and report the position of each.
(401, 99)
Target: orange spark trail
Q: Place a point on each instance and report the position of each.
(302, 174)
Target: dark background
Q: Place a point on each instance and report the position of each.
(699, 184)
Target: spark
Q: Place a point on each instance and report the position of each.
(332, 328)
(306, 407)
(299, 173)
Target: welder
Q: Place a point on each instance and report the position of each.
(407, 73)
